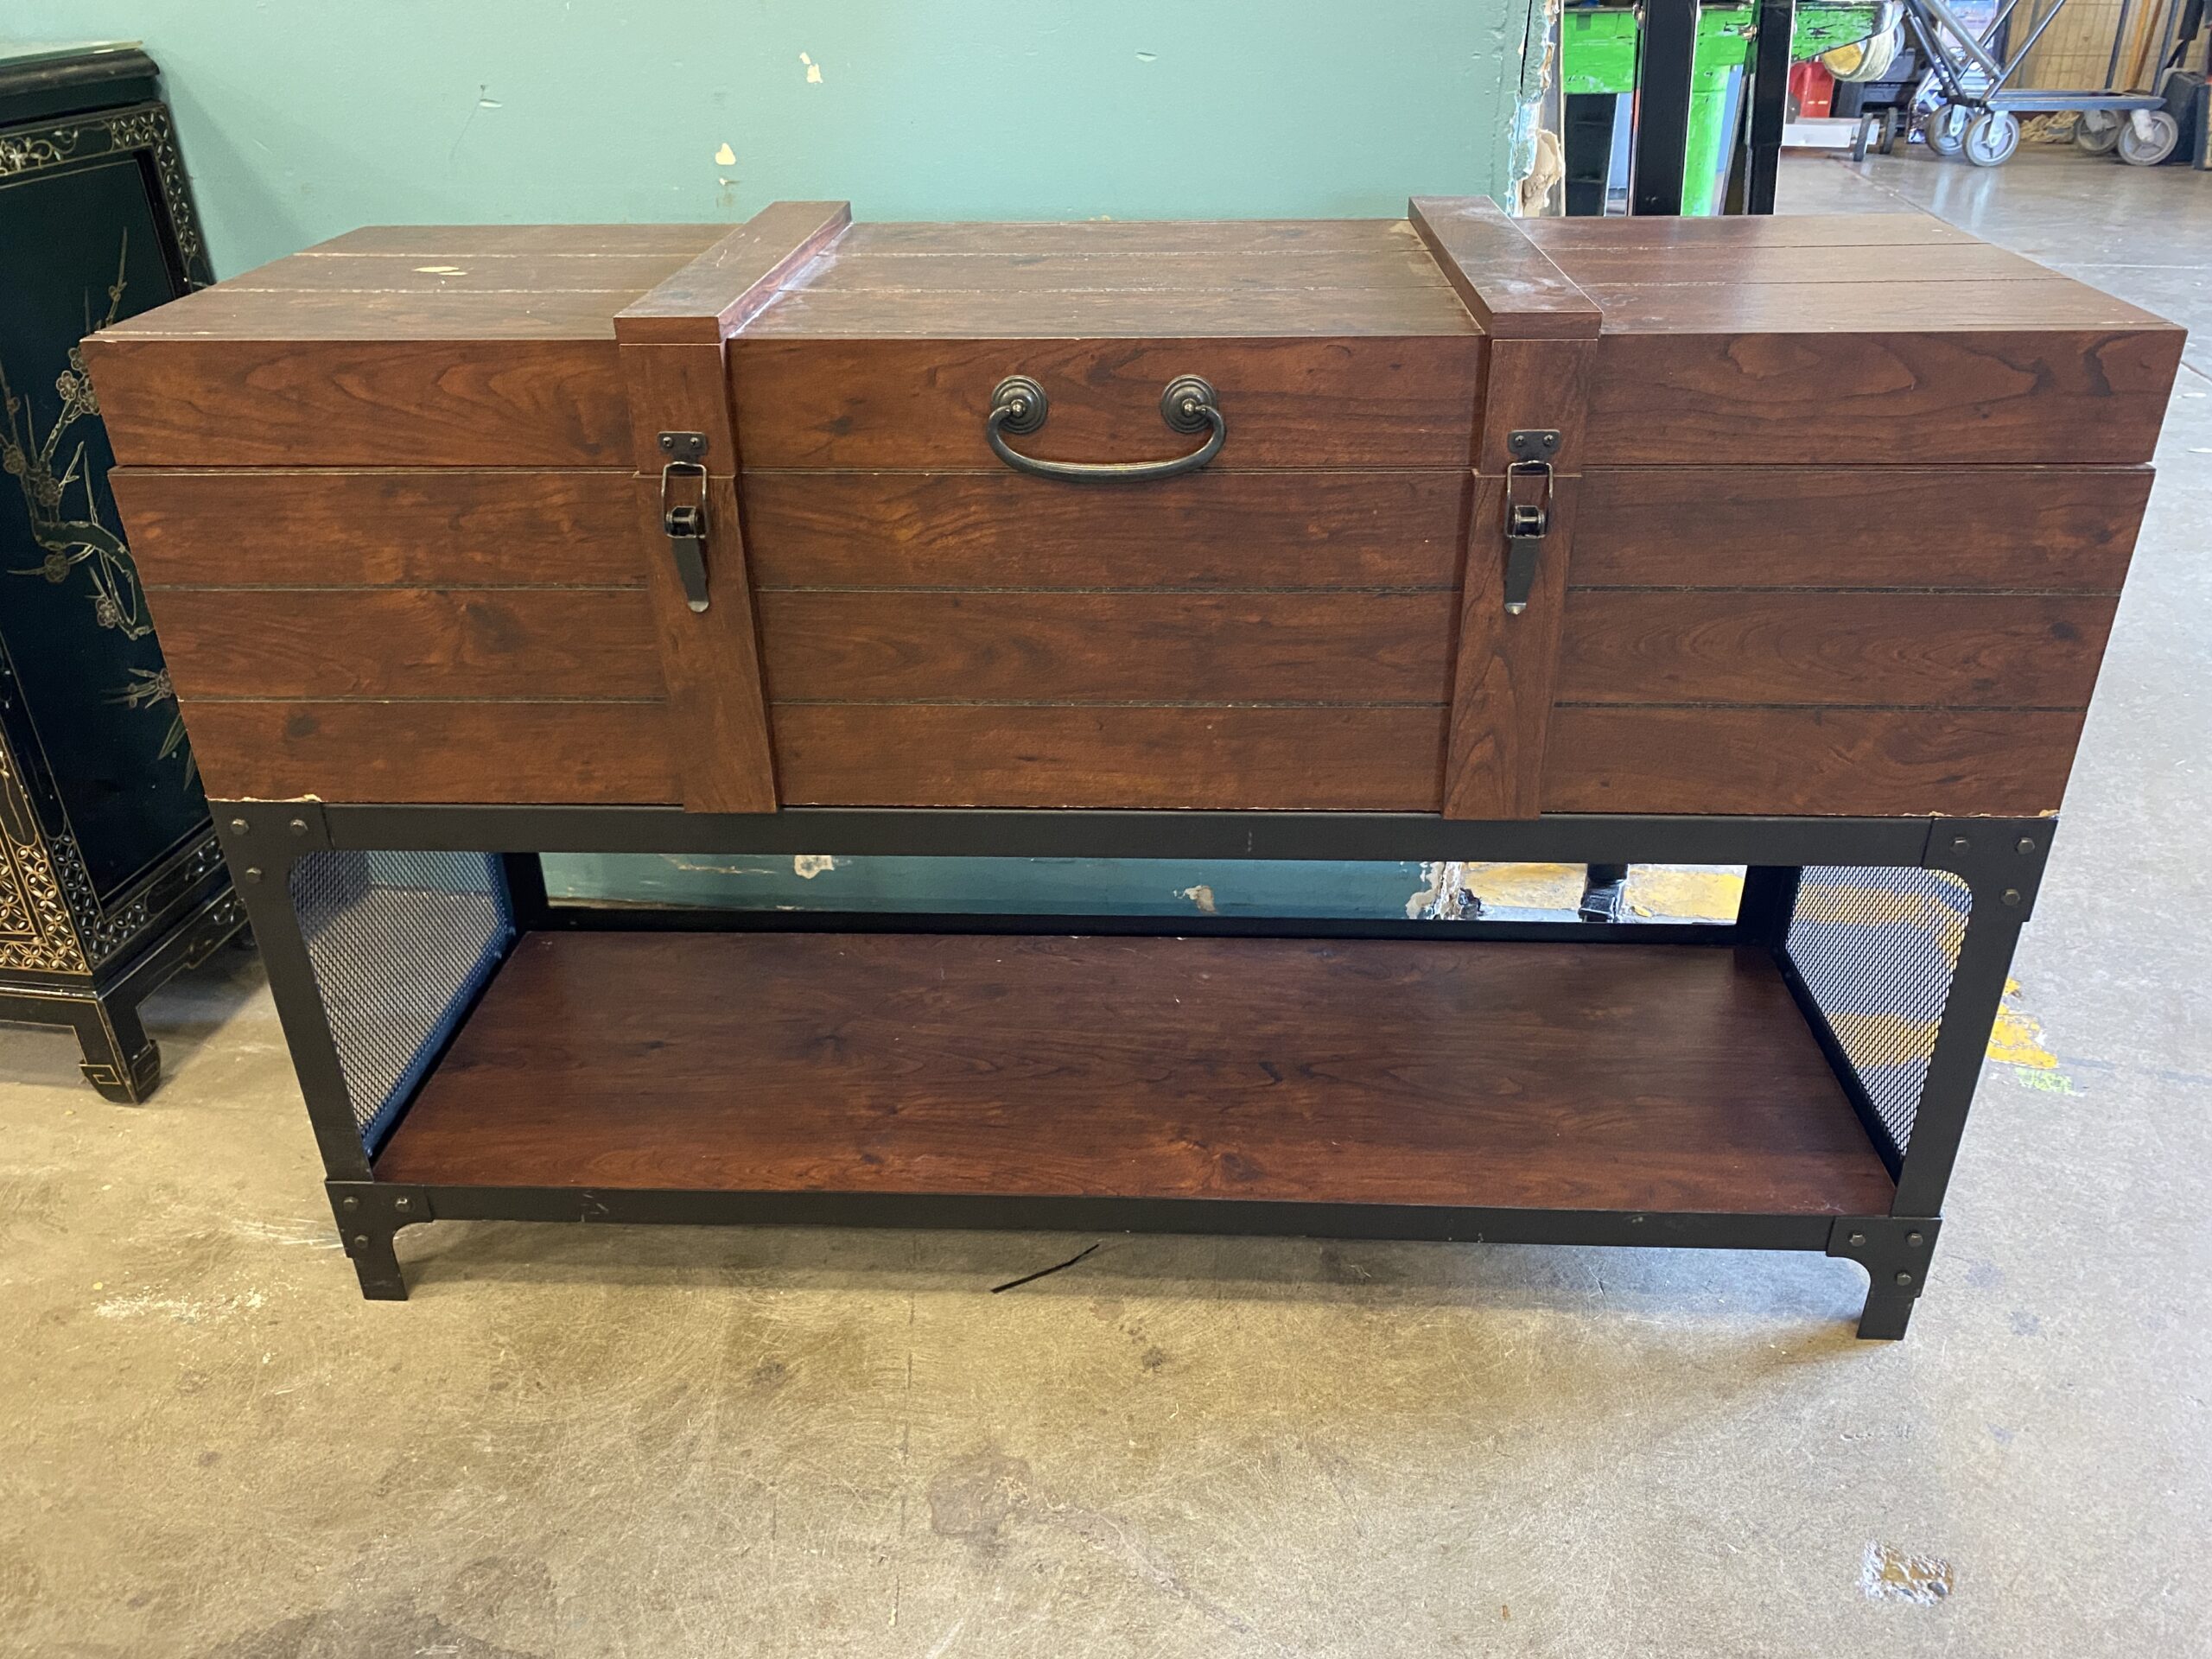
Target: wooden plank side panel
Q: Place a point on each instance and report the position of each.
(1959, 650)
(710, 660)
(1314, 759)
(1615, 1076)
(1329, 648)
(1208, 530)
(408, 642)
(399, 403)
(1875, 762)
(1503, 671)
(2023, 528)
(1853, 399)
(593, 753)
(449, 527)
(921, 403)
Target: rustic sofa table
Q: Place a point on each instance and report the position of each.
(1453, 537)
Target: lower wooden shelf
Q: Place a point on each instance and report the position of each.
(1613, 1077)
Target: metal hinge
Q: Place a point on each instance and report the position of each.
(685, 523)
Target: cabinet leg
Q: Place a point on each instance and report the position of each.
(377, 1264)
(370, 1214)
(1895, 1251)
(121, 1060)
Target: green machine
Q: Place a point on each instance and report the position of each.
(1598, 48)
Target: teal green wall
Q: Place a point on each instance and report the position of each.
(303, 118)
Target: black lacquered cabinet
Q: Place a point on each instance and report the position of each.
(109, 878)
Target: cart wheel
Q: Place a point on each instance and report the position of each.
(1947, 129)
(1862, 140)
(1992, 138)
(2097, 132)
(1890, 130)
(2138, 152)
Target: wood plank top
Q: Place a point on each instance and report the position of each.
(462, 282)
(1619, 1077)
(1257, 279)
(1866, 273)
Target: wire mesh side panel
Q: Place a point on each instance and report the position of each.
(402, 944)
(1878, 949)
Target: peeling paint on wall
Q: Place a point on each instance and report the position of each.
(1444, 894)
(1202, 896)
(813, 70)
(807, 866)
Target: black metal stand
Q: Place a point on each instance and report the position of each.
(1991, 865)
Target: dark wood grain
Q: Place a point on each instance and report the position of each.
(394, 403)
(616, 279)
(1836, 233)
(1536, 385)
(1503, 278)
(2054, 303)
(1963, 651)
(985, 271)
(358, 317)
(1355, 403)
(447, 243)
(1130, 238)
(710, 660)
(1840, 399)
(1643, 265)
(1385, 759)
(586, 752)
(1503, 671)
(679, 389)
(729, 282)
(1126, 315)
(2014, 528)
(1641, 1077)
(1342, 647)
(401, 642)
(1875, 762)
(1209, 529)
(413, 528)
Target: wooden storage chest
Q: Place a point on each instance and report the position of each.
(1785, 541)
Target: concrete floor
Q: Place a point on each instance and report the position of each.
(660, 1443)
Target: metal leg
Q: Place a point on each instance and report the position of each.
(1604, 892)
(121, 1060)
(370, 1214)
(1895, 1251)
(2003, 863)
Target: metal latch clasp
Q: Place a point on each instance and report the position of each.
(685, 523)
(1527, 524)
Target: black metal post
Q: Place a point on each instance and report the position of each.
(1778, 25)
(1664, 71)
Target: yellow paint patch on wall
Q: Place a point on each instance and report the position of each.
(2017, 1038)
(813, 70)
(1523, 886)
(725, 156)
(1202, 896)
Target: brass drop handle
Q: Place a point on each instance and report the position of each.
(1018, 406)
